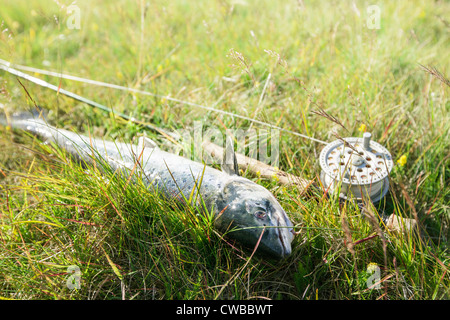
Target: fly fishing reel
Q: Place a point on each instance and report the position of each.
(357, 168)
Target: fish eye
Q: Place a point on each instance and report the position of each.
(257, 208)
(260, 214)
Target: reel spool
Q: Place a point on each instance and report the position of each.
(357, 168)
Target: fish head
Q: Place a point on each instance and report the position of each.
(250, 214)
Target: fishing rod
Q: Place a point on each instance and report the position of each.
(4, 65)
(353, 167)
(168, 98)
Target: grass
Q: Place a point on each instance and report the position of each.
(131, 244)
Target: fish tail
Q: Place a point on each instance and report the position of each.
(17, 119)
(3, 117)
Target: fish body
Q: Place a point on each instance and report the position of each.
(248, 211)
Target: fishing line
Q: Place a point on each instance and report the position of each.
(72, 95)
(354, 167)
(7, 66)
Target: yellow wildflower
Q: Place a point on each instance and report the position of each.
(402, 161)
(362, 128)
(32, 34)
(372, 267)
(422, 14)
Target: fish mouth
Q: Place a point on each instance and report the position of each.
(284, 241)
(283, 246)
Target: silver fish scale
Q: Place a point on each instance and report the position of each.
(168, 172)
(237, 201)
